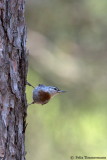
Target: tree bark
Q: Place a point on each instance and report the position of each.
(13, 71)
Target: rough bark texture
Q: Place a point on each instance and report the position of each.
(13, 70)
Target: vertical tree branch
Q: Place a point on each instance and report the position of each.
(13, 71)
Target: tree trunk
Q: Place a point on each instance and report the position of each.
(13, 71)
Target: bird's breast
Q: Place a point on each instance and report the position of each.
(44, 97)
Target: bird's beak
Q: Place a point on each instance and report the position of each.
(61, 91)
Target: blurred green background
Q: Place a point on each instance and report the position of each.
(67, 42)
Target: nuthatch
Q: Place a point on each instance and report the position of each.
(42, 94)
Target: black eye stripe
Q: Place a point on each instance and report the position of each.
(55, 88)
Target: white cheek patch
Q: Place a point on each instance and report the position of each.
(54, 93)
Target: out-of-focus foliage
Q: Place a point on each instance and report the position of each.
(67, 41)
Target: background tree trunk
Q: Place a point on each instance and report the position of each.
(13, 70)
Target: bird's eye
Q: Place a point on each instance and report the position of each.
(56, 89)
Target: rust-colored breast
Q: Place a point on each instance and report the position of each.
(44, 97)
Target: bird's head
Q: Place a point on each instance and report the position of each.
(51, 90)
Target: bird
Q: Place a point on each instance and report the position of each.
(42, 93)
